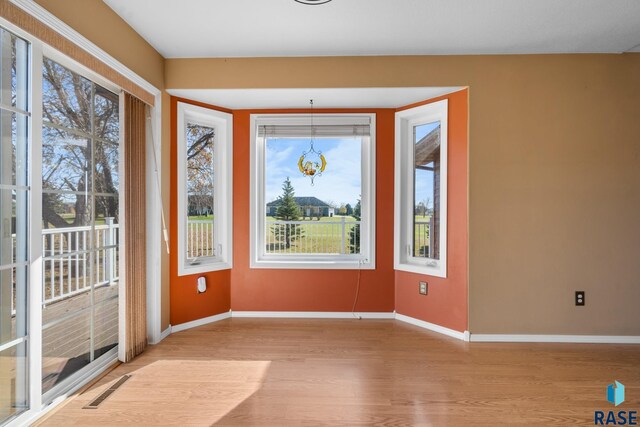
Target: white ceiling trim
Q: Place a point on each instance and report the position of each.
(376, 97)
(47, 18)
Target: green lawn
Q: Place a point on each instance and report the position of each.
(201, 217)
(336, 218)
(70, 217)
(318, 236)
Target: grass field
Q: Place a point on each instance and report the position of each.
(323, 236)
(70, 218)
(200, 217)
(318, 236)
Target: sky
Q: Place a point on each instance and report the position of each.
(339, 183)
(341, 180)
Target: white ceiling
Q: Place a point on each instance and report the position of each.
(238, 99)
(249, 28)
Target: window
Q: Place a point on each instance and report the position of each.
(80, 222)
(15, 191)
(313, 191)
(204, 189)
(421, 190)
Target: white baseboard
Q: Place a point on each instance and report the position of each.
(313, 314)
(463, 336)
(200, 322)
(165, 333)
(579, 339)
(162, 336)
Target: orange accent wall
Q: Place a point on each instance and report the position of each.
(381, 290)
(313, 290)
(186, 303)
(447, 302)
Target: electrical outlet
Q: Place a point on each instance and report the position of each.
(423, 288)
(580, 298)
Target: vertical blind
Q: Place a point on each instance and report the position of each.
(135, 295)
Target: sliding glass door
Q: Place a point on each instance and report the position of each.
(14, 229)
(60, 232)
(80, 227)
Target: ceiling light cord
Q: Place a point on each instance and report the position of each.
(312, 128)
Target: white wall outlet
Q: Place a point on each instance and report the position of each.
(423, 288)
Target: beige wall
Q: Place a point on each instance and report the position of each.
(554, 176)
(99, 23)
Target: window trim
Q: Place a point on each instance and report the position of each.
(258, 259)
(404, 187)
(223, 177)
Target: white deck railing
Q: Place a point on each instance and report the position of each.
(66, 260)
(200, 238)
(423, 242)
(313, 237)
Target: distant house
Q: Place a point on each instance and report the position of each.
(309, 207)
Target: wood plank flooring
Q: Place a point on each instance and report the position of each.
(295, 372)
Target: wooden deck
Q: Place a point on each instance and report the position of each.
(66, 345)
(294, 372)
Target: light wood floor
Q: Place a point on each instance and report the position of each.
(275, 372)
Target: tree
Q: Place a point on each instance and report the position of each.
(80, 139)
(342, 210)
(357, 210)
(200, 174)
(288, 210)
(331, 203)
(349, 209)
(425, 206)
(354, 233)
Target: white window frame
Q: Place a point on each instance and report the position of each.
(366, 259)
(223, 179)
(404, 188)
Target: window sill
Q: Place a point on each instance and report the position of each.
(287, 264)
(205, 268)
(439, 270)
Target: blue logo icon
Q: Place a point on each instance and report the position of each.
(615, 393)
